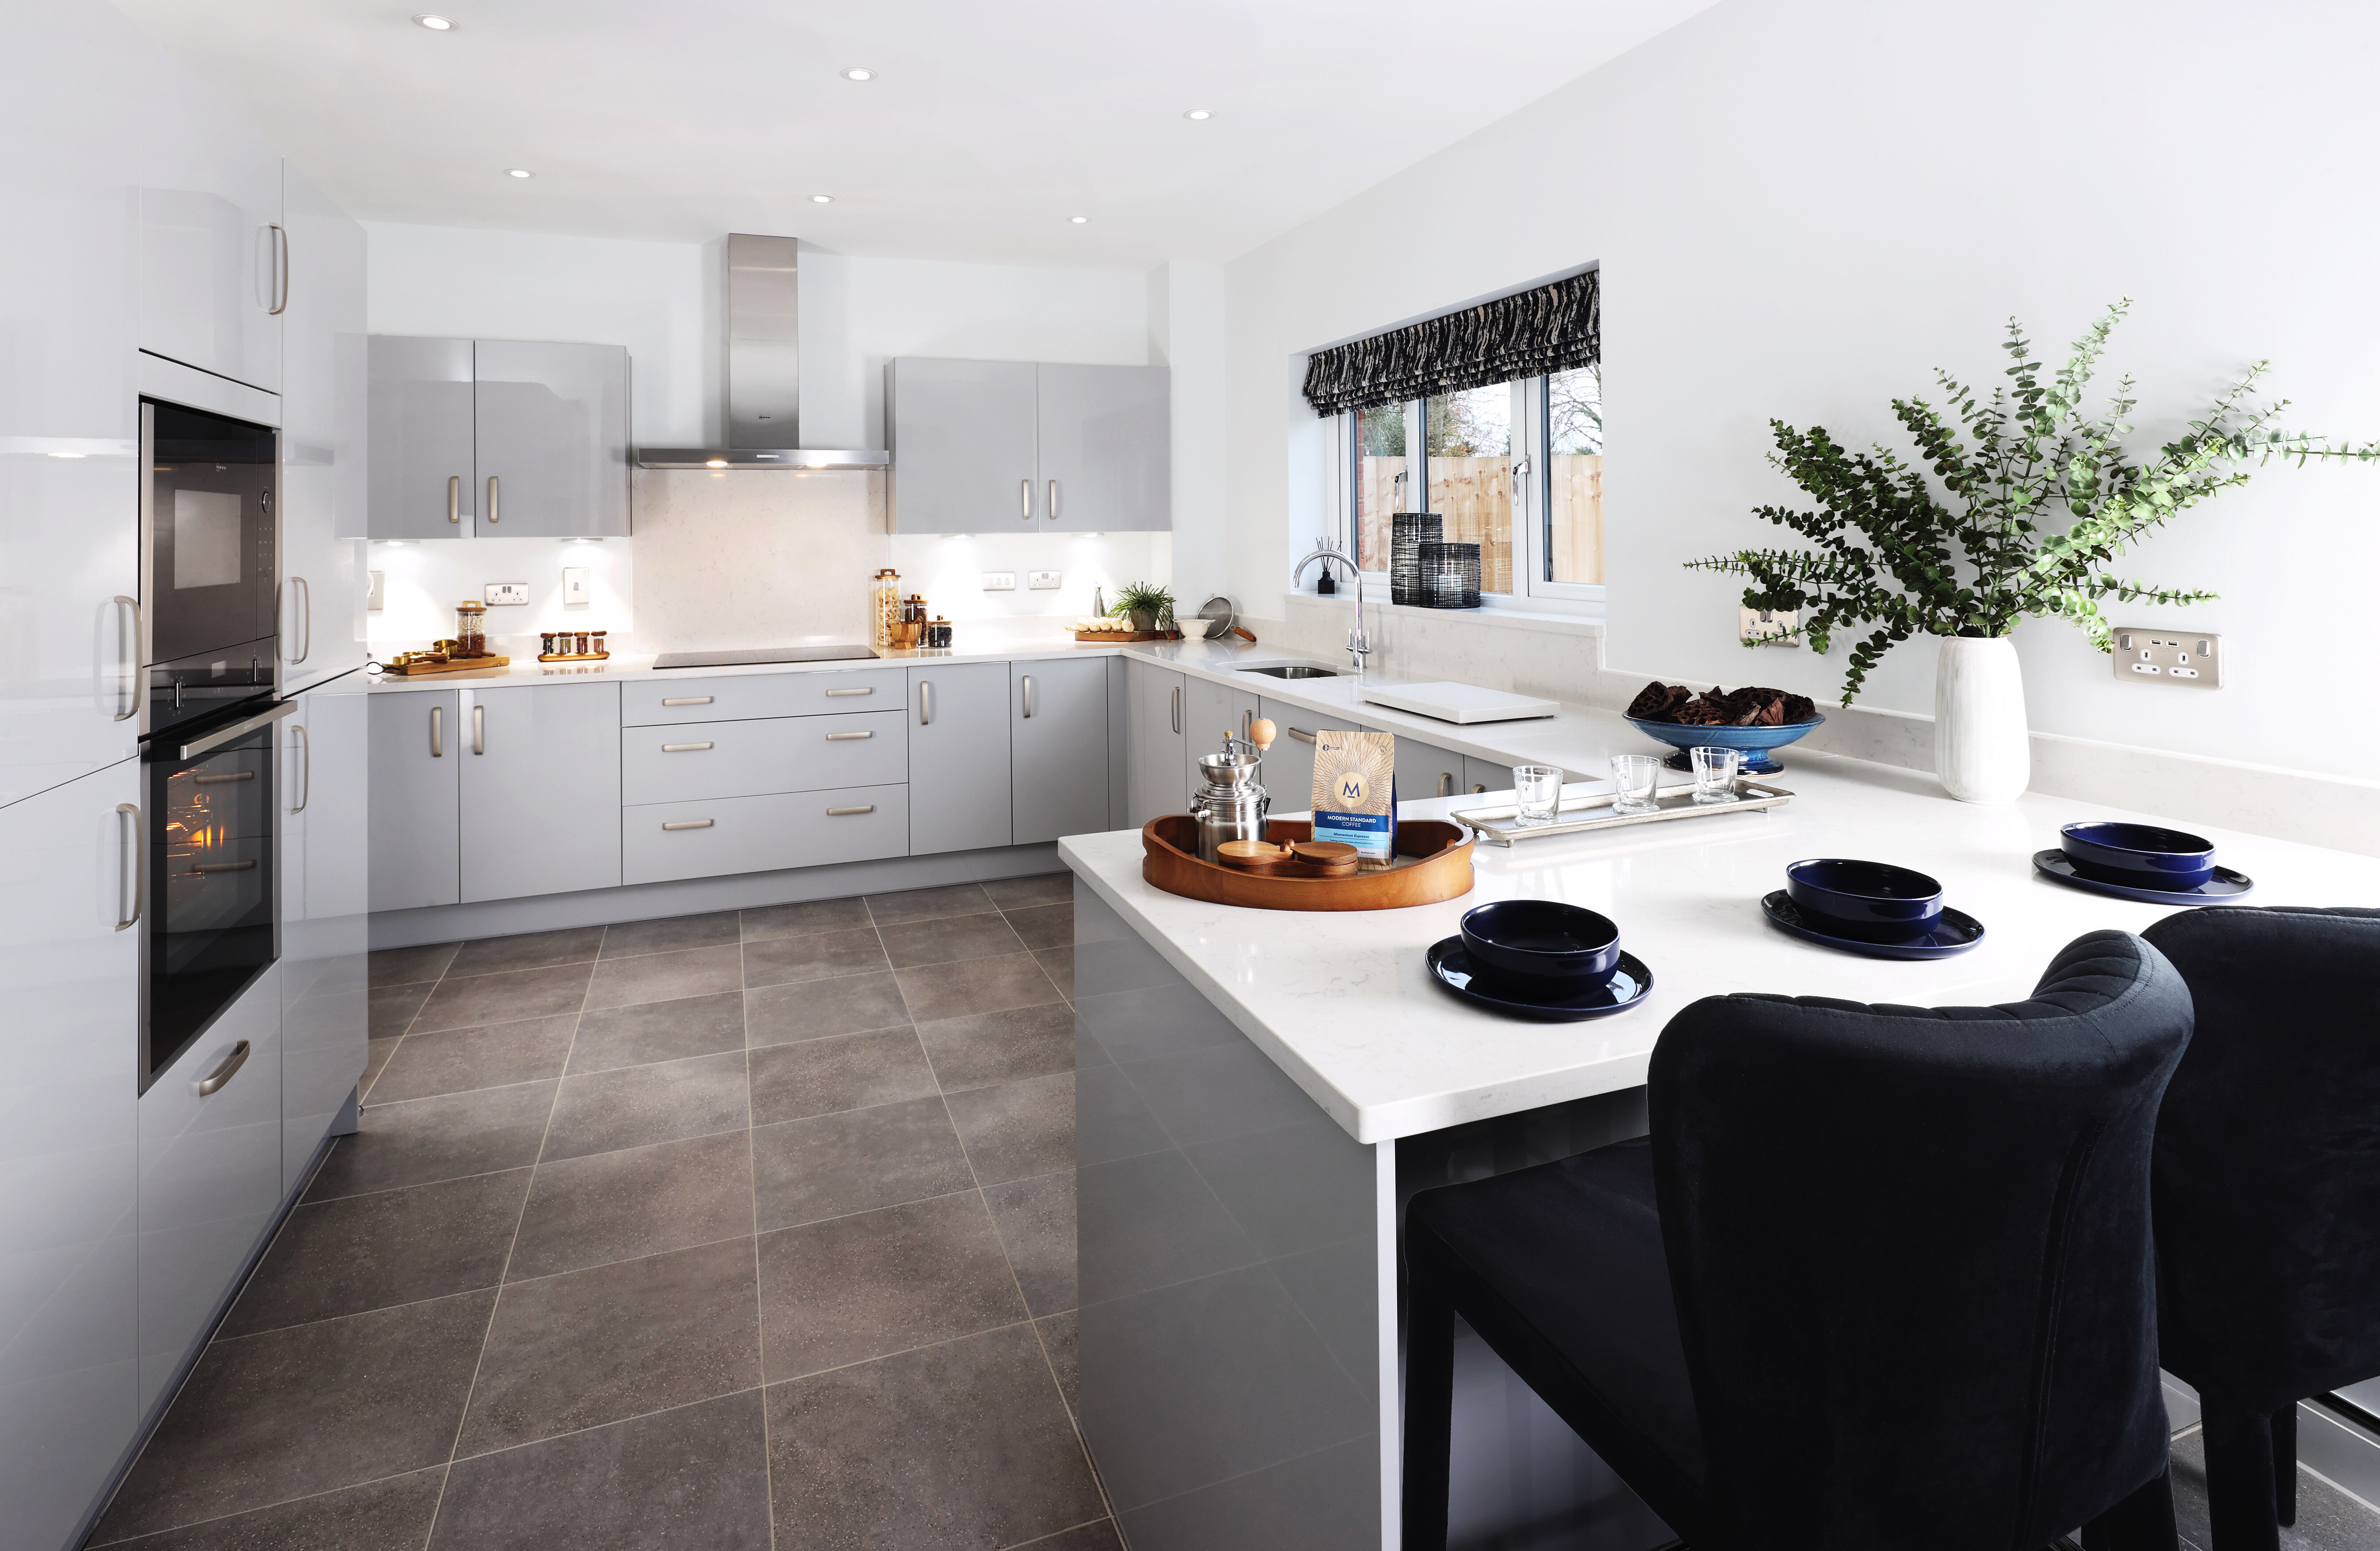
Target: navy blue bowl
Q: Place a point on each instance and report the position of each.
(2140, 855)
(1867, 898)
(1542, 940)
(1757, 744)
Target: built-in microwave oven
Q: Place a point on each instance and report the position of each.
(208, 562)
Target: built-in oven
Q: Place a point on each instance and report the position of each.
(208, 917)
(208, 559)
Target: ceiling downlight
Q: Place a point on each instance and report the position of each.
(1199, 116)
(858, 72)
(434, 22)
(518, 171)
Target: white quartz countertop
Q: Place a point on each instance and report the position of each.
(1344, 1003)
(528, 670)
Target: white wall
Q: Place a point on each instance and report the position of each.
(1804, 206)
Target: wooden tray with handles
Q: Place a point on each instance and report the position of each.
(1433, 863)
(453, 664)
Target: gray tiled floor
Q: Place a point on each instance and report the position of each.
(750, 1231)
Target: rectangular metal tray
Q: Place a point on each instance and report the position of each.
(1501, 823)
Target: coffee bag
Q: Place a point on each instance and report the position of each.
(1355, 793)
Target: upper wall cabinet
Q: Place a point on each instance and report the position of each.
(495, 438)
(216, 264)
(982, 446)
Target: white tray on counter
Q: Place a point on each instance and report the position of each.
(1502, 825)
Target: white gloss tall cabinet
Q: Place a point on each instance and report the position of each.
(154, 246)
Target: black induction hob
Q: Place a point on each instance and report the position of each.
(851, 652)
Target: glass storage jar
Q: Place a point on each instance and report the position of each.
(471, 628)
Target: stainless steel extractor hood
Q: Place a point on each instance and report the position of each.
(763, 395)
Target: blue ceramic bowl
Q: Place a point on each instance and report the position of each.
(1542, 940)
(1755, 742)
(2138, 855)
(1867, 898)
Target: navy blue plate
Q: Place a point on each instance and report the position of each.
(2221, 889)
(1956, 933)
(1450, 962)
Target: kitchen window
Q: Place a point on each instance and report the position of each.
(1515, 465)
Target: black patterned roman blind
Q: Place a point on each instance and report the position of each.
(1552, 328)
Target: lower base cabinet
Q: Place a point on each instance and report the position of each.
(210, 1177)
(325, 921)
(1156, 747)
(541, 789)
(663, 841)
(1058, 749)
(959, 753)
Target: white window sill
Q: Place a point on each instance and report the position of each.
(1576, 620)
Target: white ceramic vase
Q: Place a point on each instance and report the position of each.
(1981, 747)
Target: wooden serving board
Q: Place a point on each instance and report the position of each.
(1433, 863)
(1127, 635)
(461, 665)
(575, 657)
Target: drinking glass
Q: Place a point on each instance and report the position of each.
(1715, 773)
(1633, 780)
(1538, 786)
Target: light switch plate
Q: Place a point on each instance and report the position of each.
(1044, 580)
(507, 594)
(378, 596)
(2187, 659)
(1000, 582)
(573, 586)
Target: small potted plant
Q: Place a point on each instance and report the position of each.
(1148, 607)
(2037, 499)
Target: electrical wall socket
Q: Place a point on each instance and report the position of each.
(507, 595)
(574, 587)
(1042, 581)
(378, 596)
(1761, 627)
(1000, 582)
(2190, 659)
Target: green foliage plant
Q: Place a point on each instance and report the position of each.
(1141, 597)
(2038, 497)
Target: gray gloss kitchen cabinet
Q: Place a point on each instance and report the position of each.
(1480, 775)
(959, 750)
(1106, 437)
(325, 1021)
(1209, 710)
(416, 808)
(1058, 749)
(550, 424)
(1289, 764)
(541, 789)
(323, 427)
(492, 438)
(1156, 766)
(1426, 770)
(68, 1167)
(1005, 446)
(962, 435)
(210, 1177)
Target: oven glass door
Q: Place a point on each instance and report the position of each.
(212, 925)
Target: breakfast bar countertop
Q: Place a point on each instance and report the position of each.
(1344, 1002)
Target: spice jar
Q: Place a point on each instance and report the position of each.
(545, 643)
(602, 650)
(470, 629)
(580, 649)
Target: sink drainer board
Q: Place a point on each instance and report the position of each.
(1433, 863)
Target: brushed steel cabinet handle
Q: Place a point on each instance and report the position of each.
(202, 869)
(926, 704)
(301, 607)
(683, 748)
(846, 736)
(495, 513)
(832, 695)
(1478, 786)
(305, 768)
(479, 729)
(213, 1082)
(281, 265)
(1025, 499)
(1028, 697)
(843, 812)
(437, 732)
(690, 824)
(1177, 708)
(129, 837)
(454, 497)
(689, 699)
(1053, 513)
(1301, 734)
(131, 659)
(1445, 783)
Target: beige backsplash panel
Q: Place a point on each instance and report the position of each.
(736, 559)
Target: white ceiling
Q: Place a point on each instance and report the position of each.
(988, 126)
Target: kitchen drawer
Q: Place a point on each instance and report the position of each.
(652, 701)
(690, 761)
(760, 834)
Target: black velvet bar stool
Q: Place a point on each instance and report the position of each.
(1880, 1278)
(2267, 1189)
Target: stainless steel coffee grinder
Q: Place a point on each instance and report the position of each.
(1231, 804)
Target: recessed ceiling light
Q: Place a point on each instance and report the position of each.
(1078, 220)
(859, 72)
(435, 24)
(518, 171)
(822, 199)
(1199, 116)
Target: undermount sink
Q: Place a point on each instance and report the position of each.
(1295, 671)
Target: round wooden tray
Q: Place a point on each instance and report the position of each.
(1433, 863)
